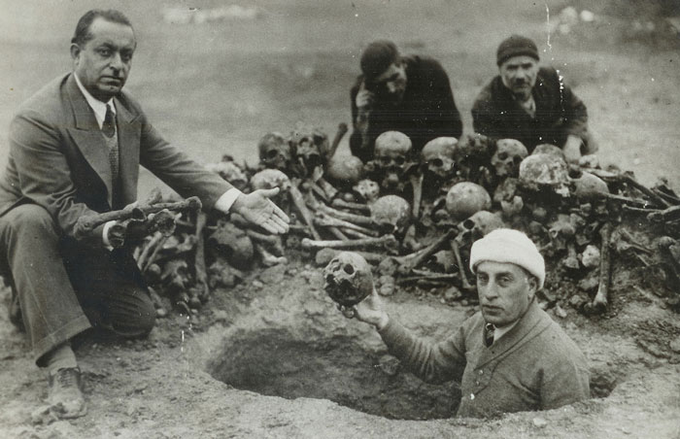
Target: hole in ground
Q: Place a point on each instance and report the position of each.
(339, 368)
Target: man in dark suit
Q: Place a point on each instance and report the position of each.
(75, 150)
(410, 94)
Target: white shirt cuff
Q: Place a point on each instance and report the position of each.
(105, 235)
(227, 199)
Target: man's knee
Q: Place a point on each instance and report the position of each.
(31, 221)
(134, 316)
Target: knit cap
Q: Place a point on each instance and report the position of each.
(377, 57)
(509, 246)
(516, 45)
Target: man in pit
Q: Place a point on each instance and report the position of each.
(509, 357)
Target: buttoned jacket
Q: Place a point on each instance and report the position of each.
(58, 157)
(534, 366)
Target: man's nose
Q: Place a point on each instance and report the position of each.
(116, 62)
(489, 291)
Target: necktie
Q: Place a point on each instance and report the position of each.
(488, 334)
(109, 125)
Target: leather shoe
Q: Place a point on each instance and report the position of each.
(65, 398)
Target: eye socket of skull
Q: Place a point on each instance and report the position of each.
(437, 163)
(348, 268)
(469, 224)
(385, 160)
(502, 155)
(399, 160)
(272, 154)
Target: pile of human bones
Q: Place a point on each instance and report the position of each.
(413, 217)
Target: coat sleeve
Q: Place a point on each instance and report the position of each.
(433, 363)
(43, 170)
(484, 119)
(576, 114)
(177, 170)
(444, 114)
(565, 379)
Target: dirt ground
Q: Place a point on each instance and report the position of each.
(293, 366)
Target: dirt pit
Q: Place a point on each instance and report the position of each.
(340, 369)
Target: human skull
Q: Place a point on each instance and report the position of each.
(392, 149)
(438, 154)
(479, 224)
(545, 170)
(310, 146)
(391, 213)
(369, 190)
(346, 169)
(270, 179)
(232, 243)
(548, 148)
(275, 151)
(230, 172)
(588, 186)
(466, 198)
(509, 154)
(348, 279)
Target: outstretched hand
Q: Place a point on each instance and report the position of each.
(257, 208)
(370, 310)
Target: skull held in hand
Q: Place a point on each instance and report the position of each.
(545, 171)
(348, 279)
(391, 213)
(509, 154)
(438, 155)
(465, 199)
(270, 179)
(275, 151)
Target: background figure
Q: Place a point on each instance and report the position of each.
(410, 94)
(531, 103)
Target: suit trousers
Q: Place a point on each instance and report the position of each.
(63, 288)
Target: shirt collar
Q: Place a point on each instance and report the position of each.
(97, 106)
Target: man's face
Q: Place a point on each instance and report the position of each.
(519, 75)
(103, 63)
(391, 84)
(505, 291)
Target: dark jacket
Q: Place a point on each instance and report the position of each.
(58, 158)
(534, 366)
(427, 110)
(559, 112)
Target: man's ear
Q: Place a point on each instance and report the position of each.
(75, 51)
(533, 285)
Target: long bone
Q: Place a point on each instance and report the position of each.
(86, 224)
(455, 247)
(299, 202)
(342, 204)
(601, 300)
(425, 253)
(324, 220)
(385, 240)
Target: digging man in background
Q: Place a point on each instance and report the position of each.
(75, 150)
(510, 357)
(409, 94)
(531, 103)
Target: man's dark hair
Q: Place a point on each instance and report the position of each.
(377, 57)
(83, 34)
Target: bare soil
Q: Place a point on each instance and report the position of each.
(272, 357)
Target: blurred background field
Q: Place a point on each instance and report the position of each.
(215, 76)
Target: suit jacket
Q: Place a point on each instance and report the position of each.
(534, 366)
(58, 158)
(559, 112)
